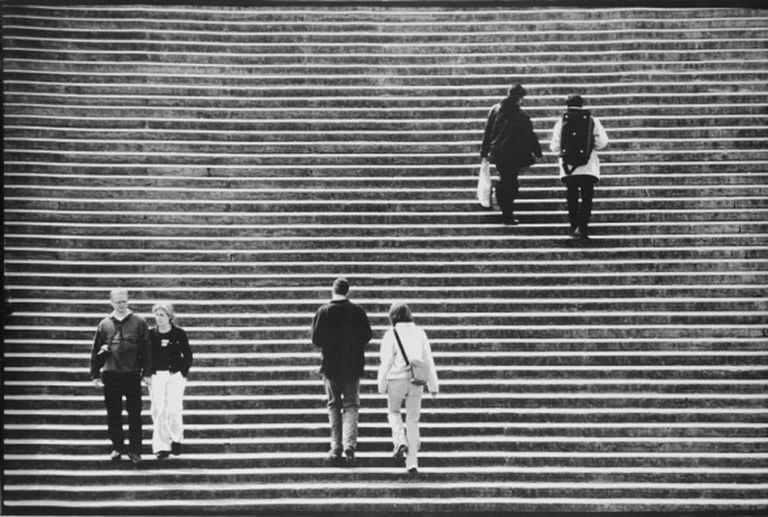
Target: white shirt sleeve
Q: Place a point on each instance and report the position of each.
(386, 355)
(601, 137)
(554, 142)
(432, 384)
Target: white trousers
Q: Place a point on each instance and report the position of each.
(167, 394)
(399, 391)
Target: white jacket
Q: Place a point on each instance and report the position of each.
(592, 167)
(416, 345)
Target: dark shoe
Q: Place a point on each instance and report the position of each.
(115, 455)
(162, 455)
(350, 457)
(510, 220)
(134, 457)
(399, 457)
(413, 472)
(175, 448)
(335, 459)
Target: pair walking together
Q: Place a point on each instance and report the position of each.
(510, 143)
(125, 354)
(341, 330)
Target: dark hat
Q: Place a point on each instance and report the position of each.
(574, 100)
(517, 91)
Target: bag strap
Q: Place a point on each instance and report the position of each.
(400, 344)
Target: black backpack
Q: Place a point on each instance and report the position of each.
(576, 139)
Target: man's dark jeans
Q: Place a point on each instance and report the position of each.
(343, 394)
(116, 386)
(507, 189)
(580, 187)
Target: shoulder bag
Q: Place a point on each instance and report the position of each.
(419, 370)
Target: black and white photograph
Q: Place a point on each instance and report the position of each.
(368, 258)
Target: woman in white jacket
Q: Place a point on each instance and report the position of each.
(581, 182)
(394, 380)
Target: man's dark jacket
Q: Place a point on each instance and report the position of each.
(341, 329)
(129, 349)
(509, 140)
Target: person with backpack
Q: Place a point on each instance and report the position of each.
(575, 137)
(509, 143)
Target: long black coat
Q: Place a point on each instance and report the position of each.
(509, 139)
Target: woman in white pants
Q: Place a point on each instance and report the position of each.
(171, 360)
(394, 380)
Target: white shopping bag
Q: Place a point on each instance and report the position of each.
(484, 184)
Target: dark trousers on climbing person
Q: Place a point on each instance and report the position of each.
(507, 190)
(116, 386)
(580, 191)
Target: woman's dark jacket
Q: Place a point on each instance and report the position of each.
(178, 352)
(509, 140)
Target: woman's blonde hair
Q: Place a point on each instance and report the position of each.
(165, 307)
(399, 311)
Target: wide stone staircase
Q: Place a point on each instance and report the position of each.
(235, 160)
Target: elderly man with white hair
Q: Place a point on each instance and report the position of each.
(119, 358)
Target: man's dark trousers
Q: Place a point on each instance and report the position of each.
(507, 190)
(580, 212)
(116, 386)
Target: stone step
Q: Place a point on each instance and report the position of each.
(460, 125)
(453, 80)
(383, 208)
(576, 431)
(298, 345)
(472, 232)
(290, 248)
(538, 178)
(461, 168)
(420, 139)
(457, 222)
(450, 330)
(418, 136)
(428, 459)
(422, 258)
(465, 156)
(169, 473)
(198, 387)
(467, 373)
(19, 66)
(305, 358)
(372, 21)
(480, 416)
(427, 298)
(393, 192)
(374, 14)
(434, 306)
(345, 112)
(340, 46)
(531, 278)
(383, 445)
(357, 95)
